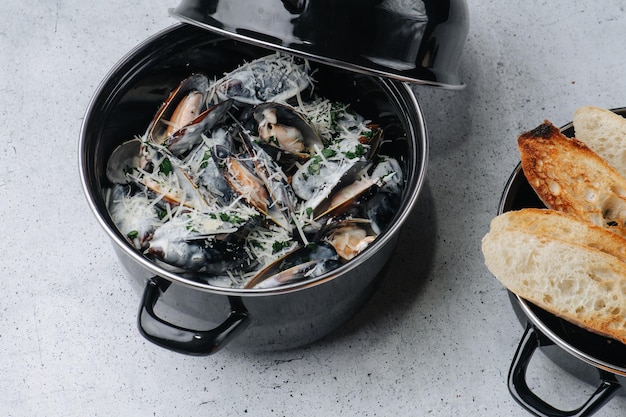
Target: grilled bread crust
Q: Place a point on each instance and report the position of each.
(569, 177)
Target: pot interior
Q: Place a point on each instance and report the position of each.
(132, 92)
(597, 350)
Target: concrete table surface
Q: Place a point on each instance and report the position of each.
(438, 336)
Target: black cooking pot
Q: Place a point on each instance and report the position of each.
(545, 329)
(251, 319)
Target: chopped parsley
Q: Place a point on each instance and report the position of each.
(230, 218)
(255, 243)
(314, 166)
(358, 152)
(336, 113)
(328, 153)
(132, 234)
(165, 166)
(277, 246)
(272, 140)
(205, 159)
(161, 214)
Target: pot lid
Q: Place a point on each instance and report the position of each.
(417, 41)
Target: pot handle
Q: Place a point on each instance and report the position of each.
(187, 341)
(518, 387)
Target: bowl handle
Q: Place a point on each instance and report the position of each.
(518, 387)
(179, 339)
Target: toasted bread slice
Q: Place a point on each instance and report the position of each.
(569, 177)
(546, 222)
(605, 133)
(578, 283)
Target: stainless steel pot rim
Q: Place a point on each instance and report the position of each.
(417, 130)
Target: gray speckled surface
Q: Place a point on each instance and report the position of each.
(438, 336)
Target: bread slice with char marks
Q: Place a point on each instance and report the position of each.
(580, 284)
(551, 223)
(569, 177)
(605, 133)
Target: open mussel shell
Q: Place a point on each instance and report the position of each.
(344, 196)
(282, 126)
(303, 263)
(123, 159)
(349, 236)
(270, 173)
(242, 178)
(184, 104)
(245, 179)
(211, 256)
(169, 180)
(189, 135)
(276, 77)
(239, 175)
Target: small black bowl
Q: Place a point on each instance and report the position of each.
(544, 328)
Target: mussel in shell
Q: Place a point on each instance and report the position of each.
(244, 181)
(184, 104)
(283, 127)
(165, 177)
(189, 135)
(305, 262)
(349, 237)
(271, 78)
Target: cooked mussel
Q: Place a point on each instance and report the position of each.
(164, 175)
(189, 135)
(303, 263)
(242, 178)
(271, 78)
(349, 237)
(184, 104)
(210, 256)
(283, 127)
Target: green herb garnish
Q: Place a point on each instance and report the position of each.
(359, 151)
(161, 214)
(205, 159)
(256, 244)
(165, 166)
(277, 246)
(314, 167)
(230, 218)
(328, 153)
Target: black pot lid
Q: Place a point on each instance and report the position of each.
(417, 41)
